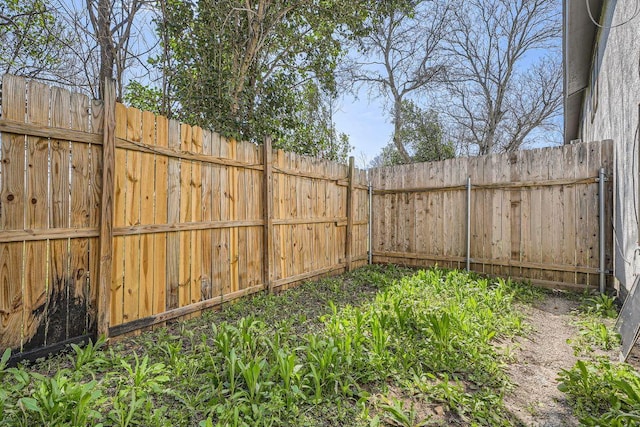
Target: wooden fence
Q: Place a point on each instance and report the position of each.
(534, 214)
(113, 219)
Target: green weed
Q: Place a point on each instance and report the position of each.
(602, 392)
(600, 305)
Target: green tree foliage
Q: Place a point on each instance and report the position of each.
(312, 131)
(143, 97)
(421, 133)
(29, 38)
(256, 68)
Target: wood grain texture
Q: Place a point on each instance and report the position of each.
(12, 194)
(132, 184)
(107, 209)
(196, 215)
(117, 216)
(59, 218)
(184, 254)
(173, 196)
(119, 191)
(95, 211)
(267, 182)
(534, 213)
(207, 204)
(36, 216)
(79, 296)
(147, 216)
(160, 260)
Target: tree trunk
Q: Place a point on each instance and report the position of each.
(107, 59)
(397, 126)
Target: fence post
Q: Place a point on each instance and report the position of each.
(268, 213)
(602, 177)
(106, 215)
(348, 242)
(370, 219)
(468, 223)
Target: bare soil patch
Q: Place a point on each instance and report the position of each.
(535, 399)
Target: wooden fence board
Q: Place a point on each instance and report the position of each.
(117, 286)
(132, 184)
(147, 208)
(36, 217)
(173, 196)
(60, 202)
(568, 200)
(12, 194)
(207, 204)
(184, 254)
(243, 194)
(196, 216)
(594, 164)
(79, 298)
(216, 235)
(96, 171)
(160, 261)
(234, 196)
(224, 236)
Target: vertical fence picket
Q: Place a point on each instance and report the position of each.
(147, 207)
(160, 261)
(60, 198)
(36, 208)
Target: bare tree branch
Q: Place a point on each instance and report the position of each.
(402, 56)
(493, 43)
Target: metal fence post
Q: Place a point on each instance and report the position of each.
(370, 248)
(601, 190)
(468, 223)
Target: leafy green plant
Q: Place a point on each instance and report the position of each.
(88, 354)
(602, 392)
(310, 356)
(600, 305)
(395, 414)
(61, 401)
(594, 332)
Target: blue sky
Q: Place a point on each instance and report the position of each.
(367, 125)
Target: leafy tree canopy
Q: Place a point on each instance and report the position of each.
(30, 38)
(421, 133)
(255, 68)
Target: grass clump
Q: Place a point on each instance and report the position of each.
(378, 345)
(603, 392)
(594, 320)
(600, 391)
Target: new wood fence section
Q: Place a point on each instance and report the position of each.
(534, 214)
(193, 220)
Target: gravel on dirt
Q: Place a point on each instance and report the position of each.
(535, 399)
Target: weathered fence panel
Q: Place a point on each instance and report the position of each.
(189, 218)
(534, 214)
(49, 215)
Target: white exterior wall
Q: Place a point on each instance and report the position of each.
(611, 110)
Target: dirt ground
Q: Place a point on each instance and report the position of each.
(536, 400)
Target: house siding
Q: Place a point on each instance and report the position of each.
(611, 109)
